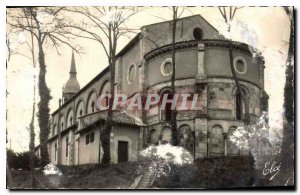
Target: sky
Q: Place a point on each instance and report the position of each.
(266, 28)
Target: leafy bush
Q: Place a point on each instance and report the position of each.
(225, 172)
(20, 160)
(180, 176)
(211, 172)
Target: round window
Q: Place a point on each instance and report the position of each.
(240, 65)
(167, 67)
(131, 73)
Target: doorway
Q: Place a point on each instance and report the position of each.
(122, 151)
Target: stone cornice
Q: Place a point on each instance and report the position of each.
(179, 46)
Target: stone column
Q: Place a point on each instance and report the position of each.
(201, 76)
(201, 115)
(201, 137)
(59, 148)
(225, 143)
(71, 147)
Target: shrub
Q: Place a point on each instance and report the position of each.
(225, 172)
(211, 172)
(20, 160)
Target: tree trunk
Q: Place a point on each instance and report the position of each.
(31, 148)
(43, 105)
(32, 139)
(175, 139)
(31, 125)
(236, 80)
(105, 135)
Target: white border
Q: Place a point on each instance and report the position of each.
(4, 3)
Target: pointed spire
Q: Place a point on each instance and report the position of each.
(72, 86)
(73, 65)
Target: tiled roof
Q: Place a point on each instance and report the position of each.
(125, 118)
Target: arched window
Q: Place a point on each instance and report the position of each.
(238, 102)
(166, 113)
(242, 104)
(198, 34)
(80, 109)
(216, 141)
(67, 146)
(105, 90)
(62, 120)
(55, 151)
(92, 98)
(54, 130)
(151, 137)
(69, 118)
(187, 138)
(166, 135)
(93, 107)
(131, 73)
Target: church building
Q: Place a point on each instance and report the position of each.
(144, 66)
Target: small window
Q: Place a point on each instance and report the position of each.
(92, 137)
(238, 106)
(167, 112)
(105, 100)
(87, 139)
(240, 65)
(198, 34)
(53, 130)
(71, 120)
(131, 73)
(62, 126)
(166, 67)
(80, 113)
(93, 106)
(67, 146)
(55, 151)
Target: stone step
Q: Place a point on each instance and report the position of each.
(146, 179)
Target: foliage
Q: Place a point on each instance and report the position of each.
(211, 172)
(256, 139)
(166, 161)
(225, 172)
(180, 176)
(20, 160)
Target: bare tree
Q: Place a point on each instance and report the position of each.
(104, 25)
(175, 136)
(45, 25)
(228, 14)
(31, 125)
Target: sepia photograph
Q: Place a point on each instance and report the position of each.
(150, 97)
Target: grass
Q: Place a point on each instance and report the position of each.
(116, 176)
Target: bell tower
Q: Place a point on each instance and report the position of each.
(72, 86)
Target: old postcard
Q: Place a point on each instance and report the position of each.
(150, 97)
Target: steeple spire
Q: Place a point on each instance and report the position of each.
(73, 65)
(72, 86)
